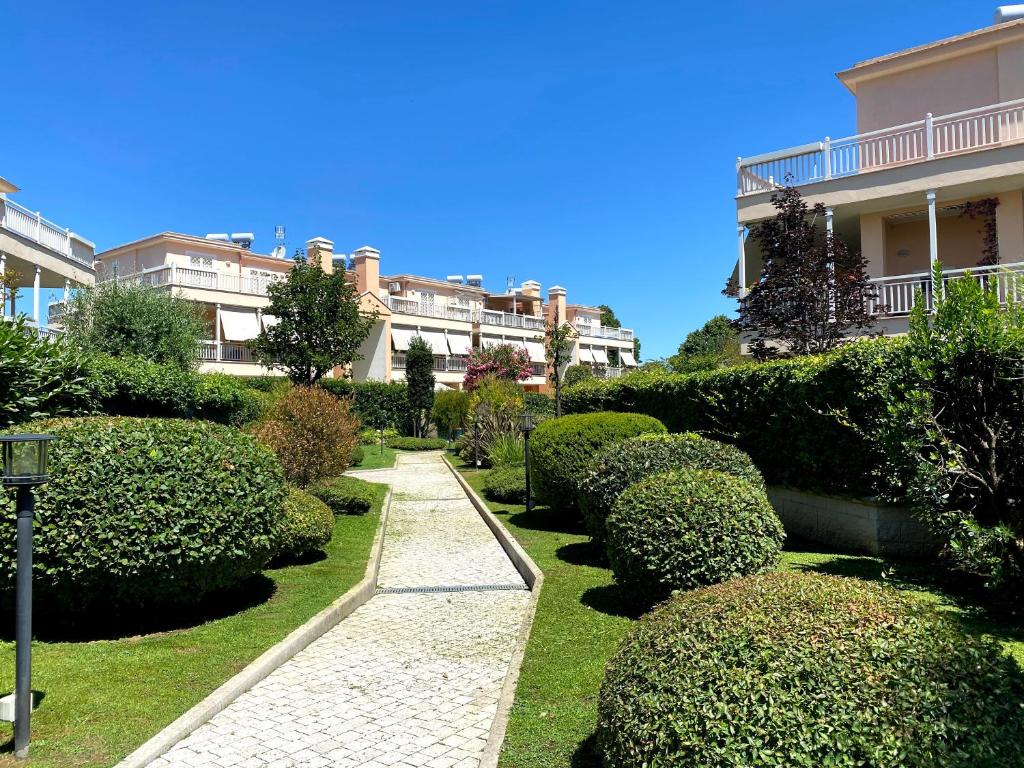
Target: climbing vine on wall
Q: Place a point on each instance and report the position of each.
(986, 211)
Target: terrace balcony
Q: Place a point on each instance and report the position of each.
(187, 277)
(509, 320)
(898, 295)
(927, 139)
(32, 226)
(604, 332)
(442, 363)
(428, 309)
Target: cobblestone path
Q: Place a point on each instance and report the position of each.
(412, 678)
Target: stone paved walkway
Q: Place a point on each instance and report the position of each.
(409, 679)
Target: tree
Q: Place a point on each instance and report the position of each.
(812, 291)
(451, 409)
(9, 280)
(574, 374)
(122, 319)
(501, 361)
(609, 320)
(319, 324)
(419, 377)
(714, 345)
(559, 339)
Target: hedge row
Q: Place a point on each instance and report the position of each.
(808, 422)
(373, 400)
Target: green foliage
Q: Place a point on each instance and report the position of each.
(346, 495)
(312, 433)
(540, 405)
(506, 485)
(812, 422)
(319, 324)
(140, 512)
(358, 454)
(562, 449)
(373, 436)
(131, 386)
(378, 404)
(575, 374)
(39, 377)
(714, 345)
(450, 411)
(559, 341)
(306, 525)
(629, 461)
(507, 450)
(131, 320)
(419, 379)
(689, 528)
(784, 670)
(417, 443)
(495, 406)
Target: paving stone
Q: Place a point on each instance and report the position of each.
(409, 679)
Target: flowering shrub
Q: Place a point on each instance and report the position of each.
(502, 361)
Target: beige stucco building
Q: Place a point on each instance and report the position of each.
(39, 254)
(939, 126)
(455, 315)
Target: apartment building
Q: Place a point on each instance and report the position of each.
(935, 172)
(455, 315)
(39, 254)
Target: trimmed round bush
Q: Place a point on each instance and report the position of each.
(306, 525)
(143, 512)
(506, 484)
(346, 495)
(417, 443)
(631, 460)
(789, 669)
(561, 450)
(358, 454)
(690, 528)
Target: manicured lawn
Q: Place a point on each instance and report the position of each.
(582, 616)
(104, 697)
(374, 459)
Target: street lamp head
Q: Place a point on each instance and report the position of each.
(527, 423)
(24, 459)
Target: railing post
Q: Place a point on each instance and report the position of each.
(174, 273)
(67, 241)
(827, 149)
(39, 226)
(929, 136)
(739, 176)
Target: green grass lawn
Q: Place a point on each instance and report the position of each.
(374, 459)
(582, 616)
(104, 698)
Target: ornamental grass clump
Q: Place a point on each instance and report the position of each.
(629, 461)
(689, 528)
(787, 669)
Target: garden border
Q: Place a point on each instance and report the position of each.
(534, 578)
(269, 660)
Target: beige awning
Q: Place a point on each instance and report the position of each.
(627, 358)
(460, 343)
(536, 351)
(600, 355)
(586, 355)
(269, 321)
(436, 340)
(239, 325)
(400, 338)
(490, 341)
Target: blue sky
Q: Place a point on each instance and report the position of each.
(590, 144)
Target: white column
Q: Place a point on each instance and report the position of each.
(742, 274)
(933, 238)
(216, 331)
(3, 292)
(67, 292)
(828, 220)
(35, 294)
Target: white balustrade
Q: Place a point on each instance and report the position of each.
(32, 226)
(899, 294)
(189, 277)
(429, 309)
(509, 320)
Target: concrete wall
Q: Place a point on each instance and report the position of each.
(850, 525)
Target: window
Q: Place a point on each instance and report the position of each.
(427, 297)
(199, 259)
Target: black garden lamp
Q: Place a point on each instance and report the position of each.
(527, 423)
(24, 466)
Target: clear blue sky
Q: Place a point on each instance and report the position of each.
(590, 144)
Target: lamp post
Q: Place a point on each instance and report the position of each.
(24, 468)
(482, 411)
(527, 424)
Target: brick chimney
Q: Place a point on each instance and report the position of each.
(326, 250)
(556, 303)
(367, 264)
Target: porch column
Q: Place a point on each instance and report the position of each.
(3, 291)
(35, 294)
(828, 220)
(831, 265)
(933, 239)
(742, 273)
(67, 292)
(216, 332)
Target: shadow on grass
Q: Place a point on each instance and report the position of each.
(50, 626)
(548, 520)
(586, 755)
(316, 556)
(583, 553)
(613, 600)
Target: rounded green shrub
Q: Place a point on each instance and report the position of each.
(346, 495)
(417, 443)
(306, 525)
(561, 450)
(358, 454)
(788, 669)
(689, 528)
(506, 484)
(623, 464)
(143, 512)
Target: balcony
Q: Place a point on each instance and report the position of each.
(442, 363)
(899, 294)
(509, 320)
(933, 137)
(604, 332)
(538, 369)
(225, 352)
(428, 309)
(187, 277)
(607, 372)
(32, 226)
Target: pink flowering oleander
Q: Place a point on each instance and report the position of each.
(504, 361)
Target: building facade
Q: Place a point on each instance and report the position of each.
(455, 315)
(934, 174)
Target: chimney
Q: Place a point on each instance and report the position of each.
(326, 251)
(531, 288)
(556, 303)
(367, 264)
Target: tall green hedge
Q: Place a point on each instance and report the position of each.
(808, 422)
(378, 397)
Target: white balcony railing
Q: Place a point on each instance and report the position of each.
(899, 294)
(187, 277)
(225, 352)
(969, 131)
(429, 309)
(509, 320)
(32, 226)
(442, 363)
(605, 332)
